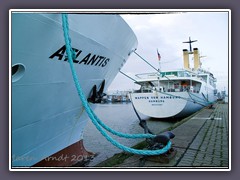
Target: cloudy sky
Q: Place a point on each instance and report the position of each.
(166, 32)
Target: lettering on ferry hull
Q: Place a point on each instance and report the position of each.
(87, 59)
(156, 97)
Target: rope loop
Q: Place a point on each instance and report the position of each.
(95, 120)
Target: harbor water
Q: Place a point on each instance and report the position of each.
(120, 117)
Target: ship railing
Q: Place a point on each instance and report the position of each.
(147, 75)
(145, 90)
(181, 88)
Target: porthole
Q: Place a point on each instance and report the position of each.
(18, 71)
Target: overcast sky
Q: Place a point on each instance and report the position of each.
(166, 32)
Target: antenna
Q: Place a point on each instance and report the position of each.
(190, 43)
(200, 57)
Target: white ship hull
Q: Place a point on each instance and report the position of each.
(174, 96)
(175, 93)
(47, 115)
(170, 105)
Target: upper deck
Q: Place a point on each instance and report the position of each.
(176, 80)
(182, 74)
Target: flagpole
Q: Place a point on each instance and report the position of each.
(159, 67)
(159, 71)
(159, 58)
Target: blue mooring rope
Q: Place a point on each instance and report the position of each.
(95, 120)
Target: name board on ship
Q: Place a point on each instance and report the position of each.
(88, 59)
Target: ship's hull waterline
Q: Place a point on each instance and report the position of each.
(47, 115)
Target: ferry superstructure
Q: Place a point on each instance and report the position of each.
(175, 93)
(47, 117)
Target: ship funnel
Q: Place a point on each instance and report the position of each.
(186, 59)
(196, 58)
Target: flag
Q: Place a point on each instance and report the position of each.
(159, 56)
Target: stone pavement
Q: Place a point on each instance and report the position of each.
(210, 146)
(201, 142)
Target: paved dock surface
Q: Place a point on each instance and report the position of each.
(201, 142)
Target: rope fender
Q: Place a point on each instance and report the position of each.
(95, 120)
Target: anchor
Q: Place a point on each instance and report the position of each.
(97, 96)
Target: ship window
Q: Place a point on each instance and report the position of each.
(180, 74)
(186, 74)
(172, 73)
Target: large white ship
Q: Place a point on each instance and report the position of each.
(175, 93)
(47, 117)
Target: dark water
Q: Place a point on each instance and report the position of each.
(120, 117)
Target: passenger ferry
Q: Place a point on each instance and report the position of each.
(175, 93)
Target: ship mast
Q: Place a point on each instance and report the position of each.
(190, 44)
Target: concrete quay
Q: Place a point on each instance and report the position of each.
(201, 141)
